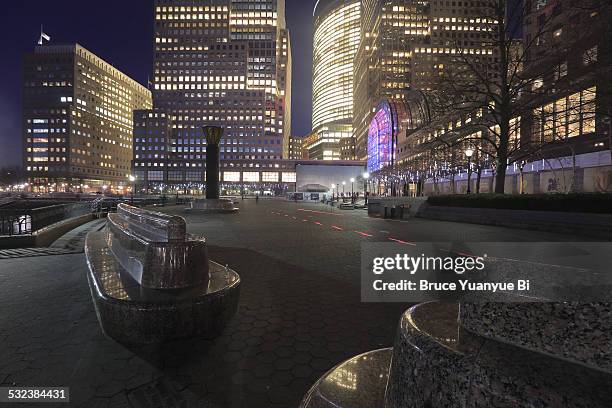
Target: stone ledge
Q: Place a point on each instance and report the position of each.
(595, 225)
(45, 236)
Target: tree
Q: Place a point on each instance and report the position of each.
(490, 90)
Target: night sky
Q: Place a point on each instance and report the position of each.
(120, 32)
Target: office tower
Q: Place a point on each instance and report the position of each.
(336, 39)
(407, 45)
(224, 63)
(77, 119)
(390, 31)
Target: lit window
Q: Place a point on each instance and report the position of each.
(250, 176)
(231, 176)
(270, 177)
(289, 177)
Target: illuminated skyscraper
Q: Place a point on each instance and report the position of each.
(225, 63)
(389, 32)
(336, 39)
(77, 119)
(406, 45)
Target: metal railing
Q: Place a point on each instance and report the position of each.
(25, 221)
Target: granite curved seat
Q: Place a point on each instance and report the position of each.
(213, 206)
(359, 382)
(151, 282)
(436, 362)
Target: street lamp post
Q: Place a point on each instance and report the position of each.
(366, 176)
(469, 152)
(352, 190)
(343, 185)
(133, 181)
(333, 186)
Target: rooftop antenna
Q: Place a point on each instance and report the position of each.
(43, 36)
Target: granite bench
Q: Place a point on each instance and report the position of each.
(213, 206)
(151, 282)
(502, 349)
(438, 362)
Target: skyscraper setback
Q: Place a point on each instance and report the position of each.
(225, 63)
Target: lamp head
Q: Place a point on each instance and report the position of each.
(469, 152)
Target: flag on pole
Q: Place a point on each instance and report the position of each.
(43, 36)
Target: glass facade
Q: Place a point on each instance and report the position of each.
(570, 116)
(382, 136)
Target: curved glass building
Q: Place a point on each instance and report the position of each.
(336, 39)
(391, 119)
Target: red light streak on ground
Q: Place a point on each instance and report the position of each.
(319, 212)
(399, 241)
(363, 234)
(337, 228)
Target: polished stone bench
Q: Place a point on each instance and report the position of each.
(212, 206)
(151, 281)
(437, 362)
(503, 349)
